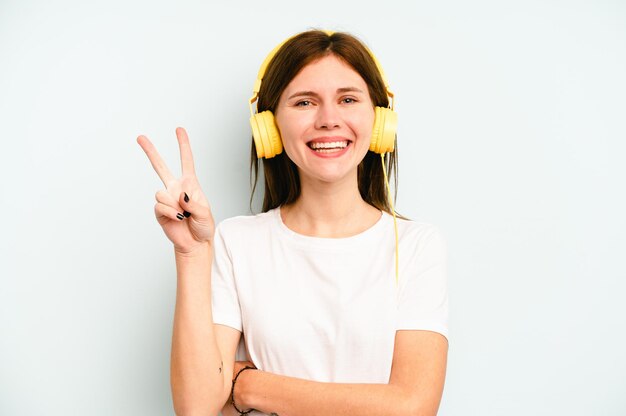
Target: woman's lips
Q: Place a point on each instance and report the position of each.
(338, 144)
(330, 152)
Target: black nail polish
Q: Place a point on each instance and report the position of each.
(180, 216)
(186, 214)
(186, 197)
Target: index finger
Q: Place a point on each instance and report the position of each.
(186, 158)
(155, 159)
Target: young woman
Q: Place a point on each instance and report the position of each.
(333, 322)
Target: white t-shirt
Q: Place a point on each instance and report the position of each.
(327, 309)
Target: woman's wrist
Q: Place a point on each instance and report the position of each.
(199, 250)
(239, 394)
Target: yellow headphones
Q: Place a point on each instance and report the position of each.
(267, 137)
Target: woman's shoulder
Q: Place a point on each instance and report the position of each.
(418, 230)
(246, 223)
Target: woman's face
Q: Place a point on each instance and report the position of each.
(325, 117)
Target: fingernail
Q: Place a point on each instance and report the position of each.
(186, 214)
(186, 197)
(180, 216)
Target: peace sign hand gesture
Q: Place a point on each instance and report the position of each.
(182, 210)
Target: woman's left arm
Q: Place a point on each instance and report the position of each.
(415, 387)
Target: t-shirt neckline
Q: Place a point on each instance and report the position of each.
(329, 242)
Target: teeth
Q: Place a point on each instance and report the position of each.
(328, 145)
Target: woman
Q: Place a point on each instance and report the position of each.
(333, 323)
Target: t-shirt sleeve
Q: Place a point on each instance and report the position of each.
(224, 298)
(423, 294)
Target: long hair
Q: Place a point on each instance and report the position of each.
(282, 182)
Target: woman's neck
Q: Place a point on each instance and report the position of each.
(331, 210)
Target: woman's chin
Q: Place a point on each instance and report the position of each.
(328, 176)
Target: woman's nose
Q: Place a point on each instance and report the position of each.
(327, 117)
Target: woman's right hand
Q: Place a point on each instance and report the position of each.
(187, 223)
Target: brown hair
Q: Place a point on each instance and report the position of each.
(282, 182)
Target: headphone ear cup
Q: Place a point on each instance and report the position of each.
(266, 135)
(384, 131)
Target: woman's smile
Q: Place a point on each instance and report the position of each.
(329, 146)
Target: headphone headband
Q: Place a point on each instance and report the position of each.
(259, 78)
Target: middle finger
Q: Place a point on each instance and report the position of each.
(186, 157)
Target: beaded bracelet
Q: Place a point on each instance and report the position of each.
(232, 391)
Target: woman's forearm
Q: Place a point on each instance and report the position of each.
(197, 379)
(289, 396)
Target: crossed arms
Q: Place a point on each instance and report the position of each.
(415, 386)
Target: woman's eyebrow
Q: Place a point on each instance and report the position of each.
(314, 94)
(350, 89)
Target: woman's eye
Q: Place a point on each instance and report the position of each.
(349, 100)
(303, 103)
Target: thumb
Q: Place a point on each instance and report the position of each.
(192, 208)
